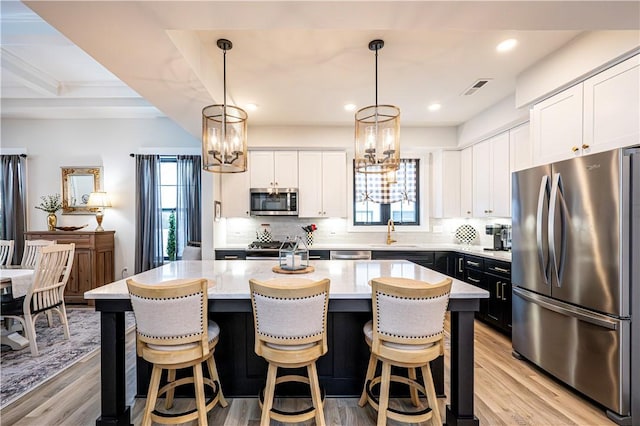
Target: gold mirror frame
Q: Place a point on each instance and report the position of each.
(77, 184)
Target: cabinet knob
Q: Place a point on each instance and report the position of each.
(468, 212)
(574, 148)
(585, 146)
(324, 213)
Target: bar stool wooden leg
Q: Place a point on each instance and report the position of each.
(413, 391)
(200, 401)
(171, 377)
(384, 394)
(316, 397)
(152, 396)
(269, 393)
(371, 371)
(213, 373)
(431, 395)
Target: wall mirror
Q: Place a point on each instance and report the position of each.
(77, 184)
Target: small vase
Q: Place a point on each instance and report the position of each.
(309, 239)
(52, 221)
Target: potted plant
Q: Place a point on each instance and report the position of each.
(50, 204)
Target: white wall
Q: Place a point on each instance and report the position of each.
(573, 62)
(51, 144)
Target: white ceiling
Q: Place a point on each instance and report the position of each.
(300, 61)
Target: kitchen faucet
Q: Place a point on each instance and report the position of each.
(390, 227)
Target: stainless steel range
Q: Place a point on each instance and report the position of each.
(261, 250)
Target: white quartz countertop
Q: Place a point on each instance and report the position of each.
(461, 248)
(229, 279)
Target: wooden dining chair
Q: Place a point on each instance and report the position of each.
(173, 332)
(31, 249)
(6, 252)
(46, 293)
(290, 319)
(407, 331)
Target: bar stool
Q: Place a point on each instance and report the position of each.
(173, 333)
(407, 331)
(290, 319)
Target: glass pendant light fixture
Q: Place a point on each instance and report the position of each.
(224, 131)
(377, 133)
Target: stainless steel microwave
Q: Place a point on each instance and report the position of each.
(274, 201)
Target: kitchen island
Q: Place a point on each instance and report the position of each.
(341, 370)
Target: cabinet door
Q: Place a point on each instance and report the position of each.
(445, 184)
(235, 193)
(310, 184)
(261, 169)
(481, 179)
(285, 169)
(500, 188)
(334, 184)
(466, 182)
(612, 107)
(557, 126)
(494, 303)
(520, 149)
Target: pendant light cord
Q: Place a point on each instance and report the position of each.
(224, 95)
(376, 79)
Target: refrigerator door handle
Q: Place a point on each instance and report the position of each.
(555, 252)
(579, 313)
(542, 195)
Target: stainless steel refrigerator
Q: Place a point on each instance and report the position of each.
(575, 260)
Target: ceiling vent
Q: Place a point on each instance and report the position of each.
(480, 83)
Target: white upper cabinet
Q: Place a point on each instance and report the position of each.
(234, 193)
(322, 184)
(557, 126)
(612, 107)
(445, 169)
(599, 114)
(466, 182)
(491, 177)
(273, 169)
(520, 148)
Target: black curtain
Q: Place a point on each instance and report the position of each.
(188, 212)
(13, 196)
(149, 250)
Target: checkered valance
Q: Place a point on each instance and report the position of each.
(380, 187)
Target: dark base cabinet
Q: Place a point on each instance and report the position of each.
(422, 258)
(495, 277)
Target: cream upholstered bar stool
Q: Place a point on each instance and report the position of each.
(290, 319)
(173, 332)
(407, 331)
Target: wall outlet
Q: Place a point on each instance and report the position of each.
(437, 229)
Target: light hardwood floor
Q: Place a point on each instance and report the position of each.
(508, 392)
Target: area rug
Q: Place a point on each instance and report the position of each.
(20, 372)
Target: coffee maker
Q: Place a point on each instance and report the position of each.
(501, 237)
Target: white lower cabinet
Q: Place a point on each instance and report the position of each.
(492, 177)
(322, 184)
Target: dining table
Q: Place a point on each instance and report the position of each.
(15, 281)
(242, 372)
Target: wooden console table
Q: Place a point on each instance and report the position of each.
(93, 262)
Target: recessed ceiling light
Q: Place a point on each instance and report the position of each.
(434, 107)
(507, 45)
(252, 107)
(349, 107)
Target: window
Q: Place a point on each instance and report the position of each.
(168, 195)
(380, 197)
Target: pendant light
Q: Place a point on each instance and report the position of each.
(224, 131)
(377, 133)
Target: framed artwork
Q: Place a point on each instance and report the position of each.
(217, 210)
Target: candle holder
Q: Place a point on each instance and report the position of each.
(294, 257)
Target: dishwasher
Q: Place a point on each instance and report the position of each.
(350, 255)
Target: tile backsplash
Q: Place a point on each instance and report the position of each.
(242, 231)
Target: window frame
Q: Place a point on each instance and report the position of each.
(385, 208)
